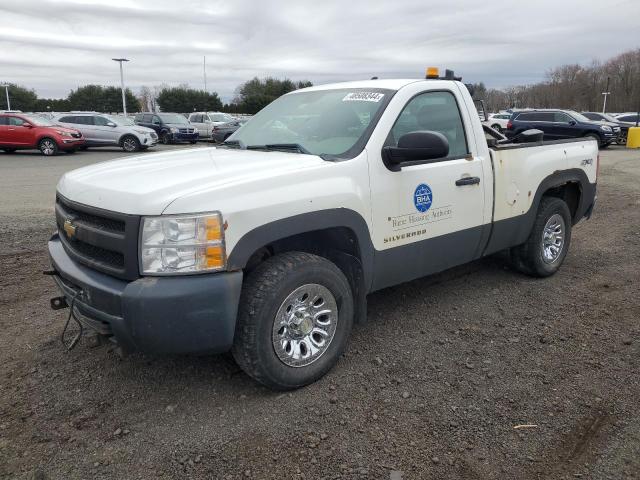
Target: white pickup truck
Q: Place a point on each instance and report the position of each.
(268, 245)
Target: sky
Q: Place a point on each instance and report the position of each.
(54, 46)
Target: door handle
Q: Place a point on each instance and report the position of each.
(467, 181)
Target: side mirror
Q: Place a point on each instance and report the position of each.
(528, 136)
(416, 147)
(572, 122)
(27, 125)
(111, 124)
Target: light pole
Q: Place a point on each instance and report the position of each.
(605, 94)
(124, 102)
(6, 89)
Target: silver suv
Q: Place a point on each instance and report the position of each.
(205, 121)
(101, 130)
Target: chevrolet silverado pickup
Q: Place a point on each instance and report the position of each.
(268, 245)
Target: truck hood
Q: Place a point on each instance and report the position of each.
(146, 184)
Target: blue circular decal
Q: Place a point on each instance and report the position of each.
(422, 197)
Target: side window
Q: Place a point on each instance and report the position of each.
(4, 121)
(67, 120)
(156, 120)
(434, 111)
(82, 120)
(16, 122)
(546, 117)
(100, 121)
(560, 117)
(147, 118)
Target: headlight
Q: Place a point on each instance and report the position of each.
(174, 129)
(64, 134)
(606, 128)
(141, 132)
(182, 244)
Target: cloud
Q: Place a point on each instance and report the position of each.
(56, 45)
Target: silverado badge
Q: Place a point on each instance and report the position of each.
(69, 228)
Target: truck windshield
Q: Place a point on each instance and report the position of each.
(318, 122)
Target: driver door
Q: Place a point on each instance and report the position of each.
(429, 216)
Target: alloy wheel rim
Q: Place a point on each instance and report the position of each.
(553, 238)
(47, 147)
(305, 325)
(129, 145)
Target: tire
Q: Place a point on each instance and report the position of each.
(9, 150)
(48, 147)
(497, 128)
(130, 144)
(165, 138)
(596, 137)
(532, 258)
(193, 142)
(270, 355)
(83, 148)
(227, 135)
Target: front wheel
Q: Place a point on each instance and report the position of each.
(165, 138)
(48, 147)
(193, 142)
(596, 137)
(130, 144)
(546, 248)
(295, 317)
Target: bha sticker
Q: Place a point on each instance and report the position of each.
(363, 97)
(422, 197)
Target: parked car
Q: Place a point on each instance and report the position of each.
(608, 119)
(498, 121)
(205, 121)
(268, 247)
(628, 117)
(100, 130)
(170, 127)
(561, 125)
(19, 131)
(221, 132)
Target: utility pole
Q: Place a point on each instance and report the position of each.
(204, 69)
(124, 102)
(6, 90)
(605, 94)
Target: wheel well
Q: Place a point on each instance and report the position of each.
(570, 192)
(318, 242)
(337, 244)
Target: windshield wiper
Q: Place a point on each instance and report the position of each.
(280, 147)
(231, 144)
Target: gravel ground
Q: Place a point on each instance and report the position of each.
(432, 386)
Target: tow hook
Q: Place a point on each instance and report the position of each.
(58, 303)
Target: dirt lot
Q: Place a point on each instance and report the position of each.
(431, 387)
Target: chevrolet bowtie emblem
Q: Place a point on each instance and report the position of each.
(69, 228)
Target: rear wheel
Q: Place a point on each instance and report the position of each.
(497, 127)
(546, 248)
(130, 144)
(296, 313)
(48, 147)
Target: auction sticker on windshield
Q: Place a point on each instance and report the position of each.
(363, 97)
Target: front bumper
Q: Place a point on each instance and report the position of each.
(183, 314)
(70, 143)
(185, 137)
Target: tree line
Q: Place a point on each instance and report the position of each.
(250, 98)
(575, 87)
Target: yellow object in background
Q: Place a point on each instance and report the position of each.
(633, 137)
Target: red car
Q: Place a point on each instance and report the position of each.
(19, 131)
